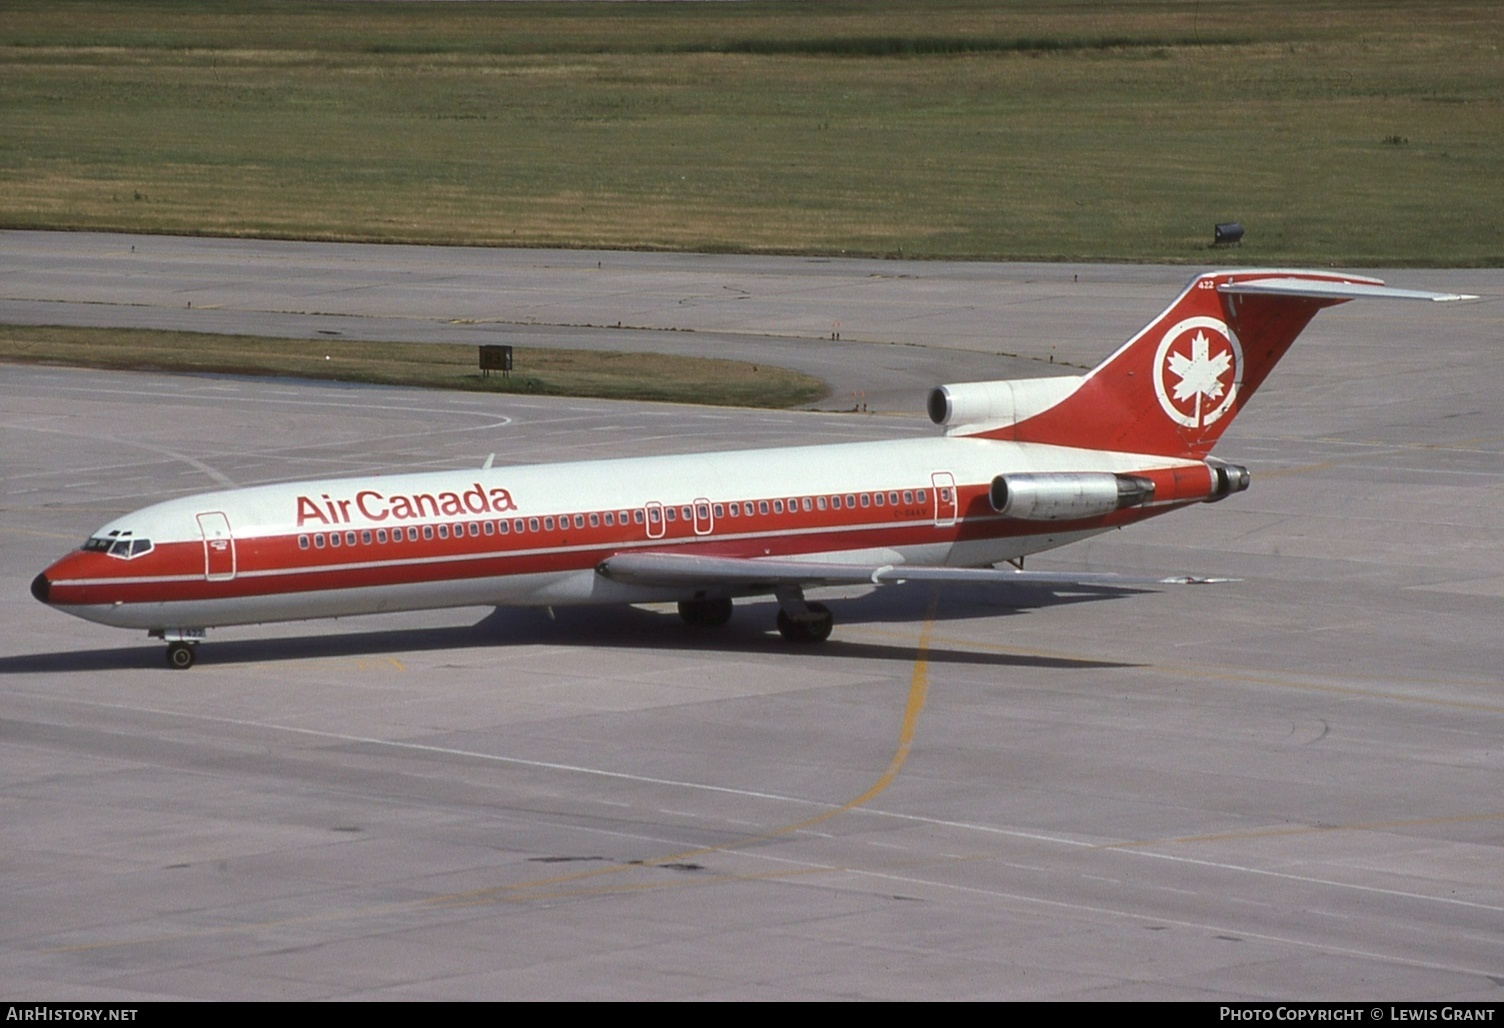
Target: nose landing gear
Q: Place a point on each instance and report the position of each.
(182, 645)
(180, 655)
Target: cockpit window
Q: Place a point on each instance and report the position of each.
(118, 544)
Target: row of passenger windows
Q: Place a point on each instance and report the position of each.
(412, 533)
(653, 515)
(849, 501)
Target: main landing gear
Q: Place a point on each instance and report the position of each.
(800, 621)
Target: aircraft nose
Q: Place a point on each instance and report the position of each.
(41, 588)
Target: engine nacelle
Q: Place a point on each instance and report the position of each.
(1005, 402)
(1052, 496)
(1226, 480)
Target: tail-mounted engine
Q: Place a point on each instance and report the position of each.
(1070, 496)
(1067, 496)
(971, 404)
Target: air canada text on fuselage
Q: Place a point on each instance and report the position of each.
(373, 505)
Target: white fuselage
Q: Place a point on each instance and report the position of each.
(533, 534)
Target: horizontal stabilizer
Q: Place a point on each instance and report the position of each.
(1322, 289)
(738, 573)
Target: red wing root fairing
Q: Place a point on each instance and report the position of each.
(1023, 466)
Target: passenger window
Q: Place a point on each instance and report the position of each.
(908, 496)
(595, 521)
(502, 528)
(866, 500)
(333, 538)
(718, 510)
(474, 529)
(381, 535)
(851, 501)
(919, 496)
(820, 502)
(365, 537)
(302, 542)
(637, 517)
(685, 512)
(670, 513)
(489, 527)
(318, 541)
(893, 499)
(443, 531)
(548, 524)
(762, 507)
(579, 521)
(702, 510)
(610, 519)
(532, 524)
(412, 534)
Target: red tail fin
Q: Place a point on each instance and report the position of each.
(1174, 388)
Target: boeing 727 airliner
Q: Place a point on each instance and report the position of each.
(1022, 466)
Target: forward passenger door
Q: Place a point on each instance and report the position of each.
(219, 546)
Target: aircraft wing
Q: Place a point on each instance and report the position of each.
(695, 571)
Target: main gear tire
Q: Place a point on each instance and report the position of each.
(809, 629)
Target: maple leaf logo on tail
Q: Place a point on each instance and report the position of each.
(1200, 373)
(1204, 358)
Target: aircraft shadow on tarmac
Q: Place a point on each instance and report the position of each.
(633, 628)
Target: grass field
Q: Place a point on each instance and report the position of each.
(1352, 132)
(638, 376)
